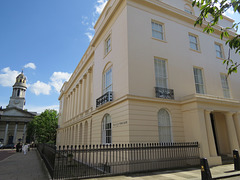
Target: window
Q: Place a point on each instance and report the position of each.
(107, 129)
(107, 80)
(161, 73)
(193, 42)
(157, 30)
(108, 45)
(164, 126)
(224, 80)
(198, 80)
(218, 48)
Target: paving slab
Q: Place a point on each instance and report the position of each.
(218, 172)
(23, 167)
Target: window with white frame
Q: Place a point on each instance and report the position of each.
(193, 40)
(157, 30)
(164, 126)
(107, 80)
(219, 52)
(225, 86)
(107, 129)
(161, 73)
(108, 45)
(199, 84)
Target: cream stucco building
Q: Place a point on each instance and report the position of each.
(149, 75)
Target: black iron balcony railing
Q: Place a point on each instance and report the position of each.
(164, 93)
(107, 97)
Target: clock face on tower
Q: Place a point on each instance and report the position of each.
(16, 101)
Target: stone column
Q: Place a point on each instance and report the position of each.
(83, 93)
(211, 141)
(236, 119)
(71, 106)
(91, 88)
(24, 133)
(80, 97)
(231, 131)
(202, 133)
(77, 102)
(64, 109)
(15, 134)
(86, 91)
(5, 134)
(74, 102)
(68, 104)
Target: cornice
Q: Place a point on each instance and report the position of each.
(205, 98)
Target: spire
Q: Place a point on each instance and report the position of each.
(18, 95)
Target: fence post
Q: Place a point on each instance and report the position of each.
(236, 160)
(205, 170)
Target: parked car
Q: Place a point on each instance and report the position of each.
(1, 146)
(9, 146)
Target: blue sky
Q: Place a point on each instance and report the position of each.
(47, 39)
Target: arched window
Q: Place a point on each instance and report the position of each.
(164, 126)
(107, 129)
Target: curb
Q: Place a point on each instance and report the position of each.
(224, 177)
(43, 165)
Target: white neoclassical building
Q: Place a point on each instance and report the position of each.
(149, 75)
(14, 119)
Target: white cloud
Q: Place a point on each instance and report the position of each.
(40, 88)
(89, 35)
(30, 65)
(85, 21)
(58, 78)
(40, 109)
(100, 6)
(8, 77)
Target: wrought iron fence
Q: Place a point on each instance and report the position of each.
(104, 160)
(48, 154)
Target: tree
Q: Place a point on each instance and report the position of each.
(43, 128)
(216, 9)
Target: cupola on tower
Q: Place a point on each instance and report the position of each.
(18, 94)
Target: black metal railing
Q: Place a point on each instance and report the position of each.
(107, 97)
(48, 154)
(164, 93)
(104, 160)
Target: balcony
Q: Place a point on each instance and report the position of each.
(107, 97)
(164, 93)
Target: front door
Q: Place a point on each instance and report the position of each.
(10, 140)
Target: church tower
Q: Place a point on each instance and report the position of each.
(18, 95)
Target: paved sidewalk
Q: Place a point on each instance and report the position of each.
(23, 167)
(219, 172)
(30, 167)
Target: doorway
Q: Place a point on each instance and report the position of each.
(10, 139)
(214, 132)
